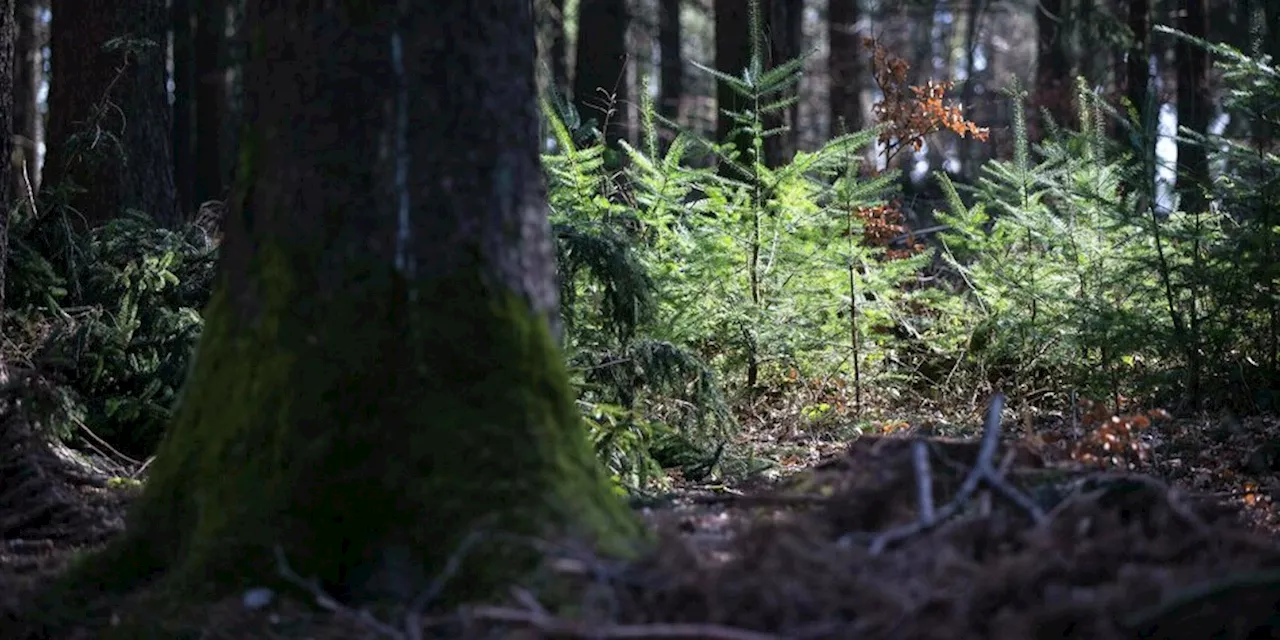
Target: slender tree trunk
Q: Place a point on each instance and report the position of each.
(1195, 106)
(210, 100)
(1053, 89)
(600, 83)
(844, 66)
(968, 165)
(109, 118)
(184, 103)
(923, 41)
(28, 71)
(669, 40)
(378, 376)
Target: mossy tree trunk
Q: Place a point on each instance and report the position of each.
(378, 375)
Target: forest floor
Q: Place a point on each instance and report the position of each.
(1027, 531)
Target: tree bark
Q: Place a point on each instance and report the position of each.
(184, 103)
(1271, 37)
(551, 31)
(973, 18)
(8, 34)
(1053, 87)
(378, 375)
(1138, 61)
(733, 55)
(783, 24)
(672, 78)
(599, 84)
(108, 135)
(210, 175)
(844, 67)
(28, 71)
(1195, 106)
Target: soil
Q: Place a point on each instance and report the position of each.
(1172, 537)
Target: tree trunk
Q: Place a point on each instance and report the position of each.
(1138, 63)
(210, 100)
(184, 104)
(844, 67)
(1195, 106)
(237, 51)
(8, 34)
(783, 24)
(669, 39)
(378, 375)
(559, 47)
(1053, 89)
(599, 84)
(109, 120)
(28, 71)
(733, 55)
(1271, 37)
(968, 163)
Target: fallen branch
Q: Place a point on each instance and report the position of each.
(983, 471)
(924, 480)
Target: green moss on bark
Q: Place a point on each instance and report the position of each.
(366, 429)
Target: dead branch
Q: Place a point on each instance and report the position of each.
(924, 479)
(983, 471)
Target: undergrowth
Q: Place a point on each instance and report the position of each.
(701, 281)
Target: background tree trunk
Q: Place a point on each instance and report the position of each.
(553, 45)
(8, 34)
(972, 25)
(210, 175)
(1054, 90)
(1271, 37)
(844, 66)
(118, 96)
(1195, 106)
(733, 55)
(783, 24)
(184, 104)
(1138, 63)
(337, 406)
(601, 62)
(669, 38)
(28, 70)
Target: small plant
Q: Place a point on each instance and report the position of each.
(1112, 440)
(910, 113)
